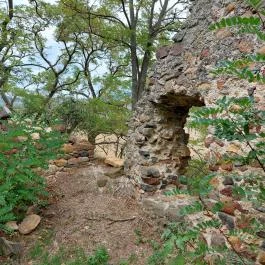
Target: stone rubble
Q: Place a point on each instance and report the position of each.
(74, 154)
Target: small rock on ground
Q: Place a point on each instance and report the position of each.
(9, 248)
(29, 224)
(12, 225)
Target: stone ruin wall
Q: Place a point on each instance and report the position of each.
(157, 151)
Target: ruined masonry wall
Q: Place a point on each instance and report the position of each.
(157, 151)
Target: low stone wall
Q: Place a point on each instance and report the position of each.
(74, 154)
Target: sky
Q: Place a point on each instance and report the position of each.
(25, 2)
(48, 34)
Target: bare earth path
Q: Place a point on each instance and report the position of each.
(81, 214)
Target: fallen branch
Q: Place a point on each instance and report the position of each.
(121, 220)
(112, 221)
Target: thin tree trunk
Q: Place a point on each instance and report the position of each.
(144, 70)
(134, 78)
(134, 59)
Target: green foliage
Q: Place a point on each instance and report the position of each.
(69, 257)
(236, 119)
(248, 25)
(240, 68)
(183, 244)
(139, 237)
(94, 116)
(236, 21)
(20, 159)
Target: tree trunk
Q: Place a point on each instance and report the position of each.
(144, 69)
(134, 77)
(134, 59)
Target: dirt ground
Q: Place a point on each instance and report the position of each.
(80, 214)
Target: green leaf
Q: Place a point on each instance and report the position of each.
(179, 260)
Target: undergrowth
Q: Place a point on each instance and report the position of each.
(69, 257)
(25, 149)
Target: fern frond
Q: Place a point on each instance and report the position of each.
(256, 4)
(236, 21)
(176, 191)
(193, 208)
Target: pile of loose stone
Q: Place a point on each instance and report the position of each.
(78, 151)
(235, 213)
(75, 154)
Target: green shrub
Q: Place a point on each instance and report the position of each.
(93, 116)
(20, 159)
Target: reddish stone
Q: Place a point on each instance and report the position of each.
(229, 207)
(11, 152)
(261, 257)
(255, 129)
(68, 148)
(220, 84)
(261, 50)
(162, 52)
(60, 162)
(227, 166)
(215, 182)
(151, 181)
(258, 128)
(219, 142)
(152, 81)
(82, 146)
(223, 34)
(244, 222)
(72, 161)
(205, 53)
(245, 46)
(230, 8)
(177, 49)
(59, 128)
(236, 243)
(235, 108)
(261, 107)
(228, 191)
(257, 99)
(255, 164)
